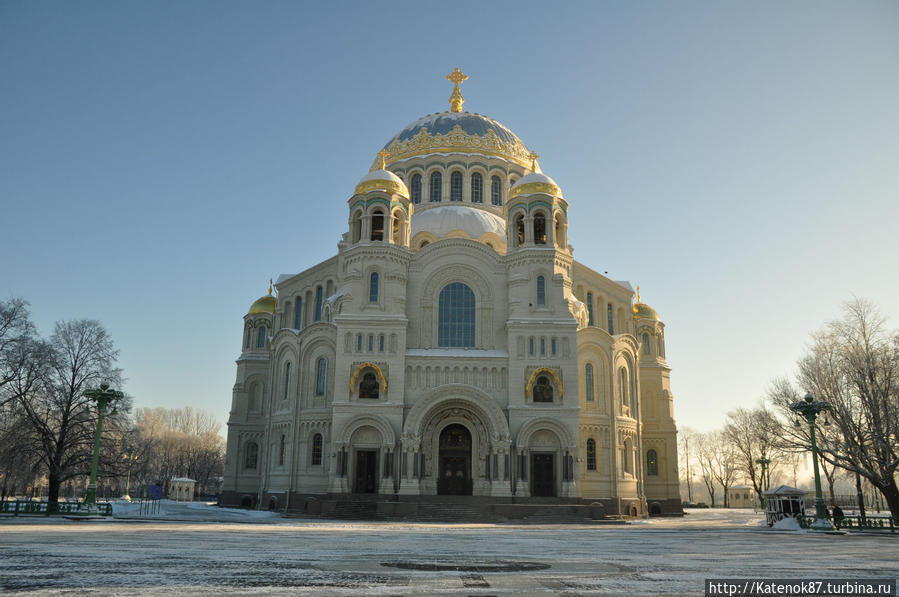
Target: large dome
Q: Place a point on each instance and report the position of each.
(440, 221)
(457, 132)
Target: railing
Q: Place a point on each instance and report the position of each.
(859, 523)
(27, 508)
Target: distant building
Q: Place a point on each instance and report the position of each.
(454, 346)
(181, 489)
(741, 496)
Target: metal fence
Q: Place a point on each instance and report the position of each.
(867, 523)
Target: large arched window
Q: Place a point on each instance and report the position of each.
(317, 449)
(377, 225)
(416, 188)
(652, 463)
(610, 317)
(252, 455)
(540, 229)
(543, 389)
(541, 291)
(588, 380)
(623, 387)
(436, 187)
(496, 191)
(456, 316)
(591, 454)
(477, 188)
(321, 373)
(319, 297)
(298, 315)
(286, 379)
(647, 349)
(260, 337)
(590, 308)
(456, 186)
(373, 288)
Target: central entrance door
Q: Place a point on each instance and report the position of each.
(543, 475)
(366, 471)
(455, 461)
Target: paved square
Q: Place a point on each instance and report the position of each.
(266, 554)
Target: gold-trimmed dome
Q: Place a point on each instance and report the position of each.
(535, 182)
(382, 180)
(644, 311)
(265, 304)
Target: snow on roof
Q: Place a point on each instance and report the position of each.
(185, 479)
(785, 490)
(439, 221)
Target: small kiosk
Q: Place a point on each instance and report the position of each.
(784, 502)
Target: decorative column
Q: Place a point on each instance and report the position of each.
(501, 477)
(409, 483)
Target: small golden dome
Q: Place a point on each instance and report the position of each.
(265, 304)
(644, 311)
(382, 180)
(535, 182)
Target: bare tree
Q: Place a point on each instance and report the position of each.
(853, 364)
(705, 456)
(19, 365)
(686, 448)
(80, 356)
(752, 435)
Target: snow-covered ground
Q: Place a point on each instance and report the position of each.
(217, 553)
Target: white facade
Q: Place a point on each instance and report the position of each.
(453, 346)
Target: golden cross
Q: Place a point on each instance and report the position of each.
(638, 293)
(533, 155)
(382, 156)
(456, 100)
(269, 286)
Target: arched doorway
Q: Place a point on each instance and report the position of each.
(455, 461)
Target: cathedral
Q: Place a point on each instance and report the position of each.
(453, 347)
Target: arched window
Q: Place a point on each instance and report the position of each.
(531, 346)
(377, 225)
(543, 389)
(456, 186)
(369, 387)
(416, 188)
(622, 387)
(281, 448)
(609, 317)
(540, 229)
(286, 379)
(588, 380)
(381, 343)
(541, 291)
(298, 314)
(358, 342)
(456, 316)
(321, 373)
(260, 337)
(519, 229)
(646, 348)
(589, 308)
(317, 449)
(436, 187)
(477, 188)
(591, 454)
(373, 288)
(252, 455)
(357, 226)
(371, 342)
(652, 463)
(318, 303)
(496, 191)
(396, 228)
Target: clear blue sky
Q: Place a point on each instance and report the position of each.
(160, 160)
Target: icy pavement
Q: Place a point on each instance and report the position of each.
(265, 555)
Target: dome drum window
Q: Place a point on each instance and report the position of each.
(456, 186)
(477, 188)
(416, 188)
(436, 187)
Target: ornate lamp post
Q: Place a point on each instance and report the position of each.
(764, 484)
(103, 396)
(809, 408)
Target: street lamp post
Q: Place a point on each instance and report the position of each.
(130, 457)
(103, 396)
(763, 484)
(809, 408)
